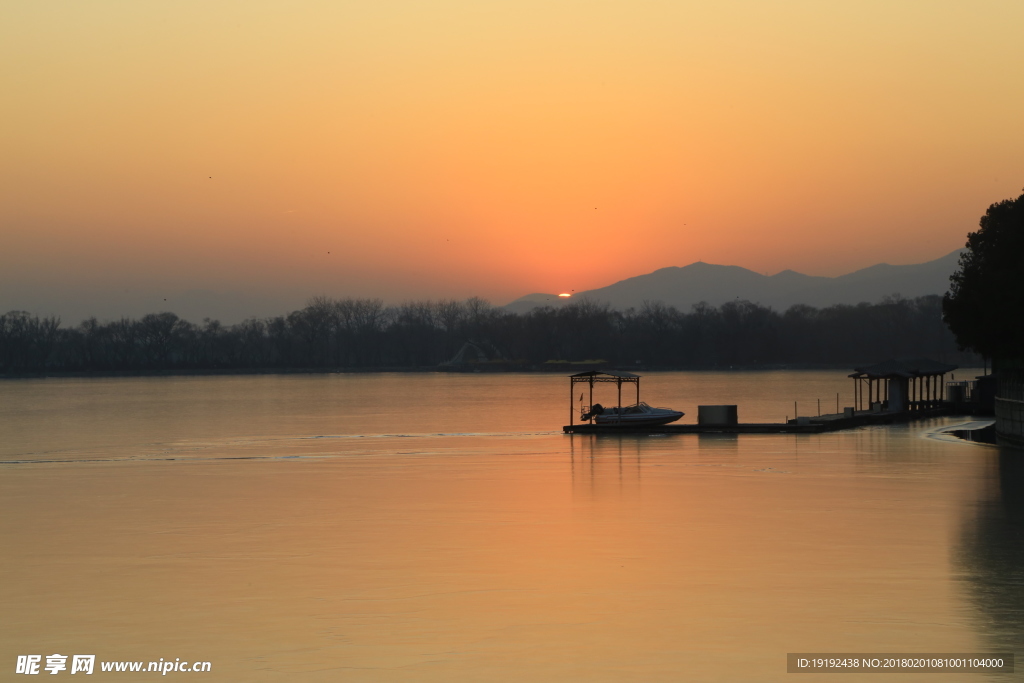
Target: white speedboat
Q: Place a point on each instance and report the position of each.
(637, 414)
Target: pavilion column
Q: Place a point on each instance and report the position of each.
(619, 383)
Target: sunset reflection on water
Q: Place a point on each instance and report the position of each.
(298, 550)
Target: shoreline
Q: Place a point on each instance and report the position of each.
(473, 369)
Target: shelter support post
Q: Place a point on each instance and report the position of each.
(619, 385)
(591, 399)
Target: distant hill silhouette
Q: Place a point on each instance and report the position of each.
(684, 286)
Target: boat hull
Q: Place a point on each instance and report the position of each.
(661, 418)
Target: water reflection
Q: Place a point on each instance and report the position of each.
(721, 444)
(992, 553)
(617, 463)
(362, 533)
(606, 464)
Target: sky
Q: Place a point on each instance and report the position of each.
(254, 151)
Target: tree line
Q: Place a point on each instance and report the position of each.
(365, 334)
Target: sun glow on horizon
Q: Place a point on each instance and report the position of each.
(456, 149)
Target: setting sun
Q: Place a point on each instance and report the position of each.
(272, 151)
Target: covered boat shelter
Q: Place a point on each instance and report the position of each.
(597, 377)
(900, 384)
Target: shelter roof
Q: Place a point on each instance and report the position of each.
(904, 367)
(606, 373)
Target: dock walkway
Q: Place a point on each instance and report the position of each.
(812, 425)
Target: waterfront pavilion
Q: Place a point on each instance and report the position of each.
(900, 384)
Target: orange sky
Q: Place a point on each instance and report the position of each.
(455, 148)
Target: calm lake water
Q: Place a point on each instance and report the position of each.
(436, 527)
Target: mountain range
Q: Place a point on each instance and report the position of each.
(685, 286)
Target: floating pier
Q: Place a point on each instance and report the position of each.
(814, 425)
(722, 419)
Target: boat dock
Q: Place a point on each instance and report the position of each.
(813, 425)
(897, 392)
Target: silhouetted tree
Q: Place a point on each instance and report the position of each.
(26, 341)
(158, 334)
(985, 304)
(654, 333)
(415, 333)
(313, 325)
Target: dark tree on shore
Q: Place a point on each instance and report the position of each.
(985, 304)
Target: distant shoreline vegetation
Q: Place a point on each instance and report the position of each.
(364, 334)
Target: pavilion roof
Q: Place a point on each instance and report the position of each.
(903, 367)
(606, 373)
